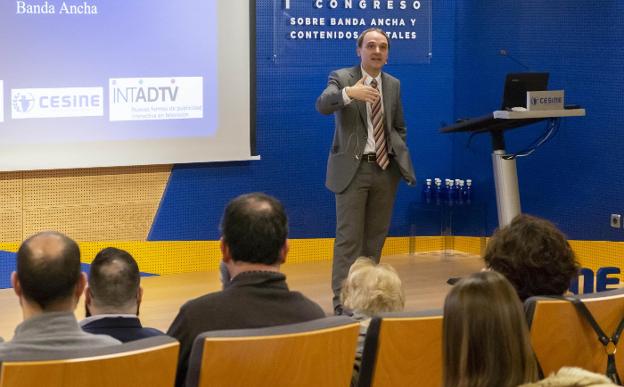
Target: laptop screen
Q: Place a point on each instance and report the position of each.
(517, 85)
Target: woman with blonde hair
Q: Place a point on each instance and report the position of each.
(573, 377)
(485, 336)
(370, 289)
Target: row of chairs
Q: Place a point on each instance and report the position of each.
(561, 334)
(406, 349)
(145, 362)
(400, 349)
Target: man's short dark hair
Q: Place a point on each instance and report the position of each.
(254, 227)
(534, 256)
(114, 278)
(360, 38)
(48, 274)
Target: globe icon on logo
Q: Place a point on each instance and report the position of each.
(23, 103)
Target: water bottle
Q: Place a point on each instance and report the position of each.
(450, 193)
(438, 193)
(468, 192)
(460, 192)
(427, 193)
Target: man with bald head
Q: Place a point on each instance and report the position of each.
(48, 283)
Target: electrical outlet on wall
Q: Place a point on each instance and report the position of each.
(616, 220)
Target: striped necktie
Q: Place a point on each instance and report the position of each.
(377, 118)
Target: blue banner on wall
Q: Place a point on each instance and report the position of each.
(313, 32)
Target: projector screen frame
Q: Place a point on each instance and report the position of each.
(75, 153)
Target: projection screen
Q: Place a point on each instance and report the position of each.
(110, 83)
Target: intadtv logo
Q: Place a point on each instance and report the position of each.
(167, 98)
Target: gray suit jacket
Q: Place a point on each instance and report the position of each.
(351, 128)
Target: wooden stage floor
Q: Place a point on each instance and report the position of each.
(424, 278)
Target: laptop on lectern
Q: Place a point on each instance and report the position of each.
(517, 85)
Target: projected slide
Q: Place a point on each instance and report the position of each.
(134, 82)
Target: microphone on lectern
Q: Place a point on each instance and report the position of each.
(504, 52)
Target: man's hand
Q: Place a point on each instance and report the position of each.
(361, 92)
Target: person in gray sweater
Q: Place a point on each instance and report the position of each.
(48, 283)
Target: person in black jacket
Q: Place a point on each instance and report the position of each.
(254, 244)
(113, 297)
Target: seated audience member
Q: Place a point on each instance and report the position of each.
(370, 289)
(253, 244)
(534, 256)
(48, 283)
(113, 296)
(485, 336)
(573, 377)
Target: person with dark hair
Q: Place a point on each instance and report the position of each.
(369, 154)
(485, 340)
(113, 297)
(534, 256)
(254, 244)
(48, 283)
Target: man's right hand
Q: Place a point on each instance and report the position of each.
(361, 92)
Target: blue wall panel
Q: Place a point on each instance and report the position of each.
(575, 179)
(294, 140)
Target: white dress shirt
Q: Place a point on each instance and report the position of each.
(370, 140)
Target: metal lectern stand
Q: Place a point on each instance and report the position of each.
(505, 172)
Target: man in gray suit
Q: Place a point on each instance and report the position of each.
(369, 154)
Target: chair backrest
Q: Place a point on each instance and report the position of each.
(403, 349)
(561, 336)
(146, 362)
(316, 353)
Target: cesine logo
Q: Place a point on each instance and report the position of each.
(57, 102)
(534, 101)
(23, 102)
